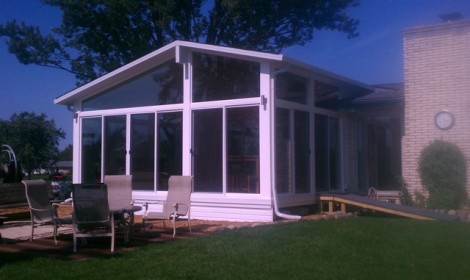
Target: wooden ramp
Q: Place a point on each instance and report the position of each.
(381, 206)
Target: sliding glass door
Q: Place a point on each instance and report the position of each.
(169, 147)
(327, 153)
(292, 151)
(129, 144)
(142, 151)
(242, 126)
(115, 150)
(207, 150)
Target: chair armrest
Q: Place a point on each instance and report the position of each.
(146, 204)
(40, 209)
(63, 204)
(181, 203)
(177, 205)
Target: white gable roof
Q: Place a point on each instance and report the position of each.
(174, 49)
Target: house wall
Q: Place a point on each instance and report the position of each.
(437, 77)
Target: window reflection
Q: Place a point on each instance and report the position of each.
(327, 153)
(292, 151)
(170, 141)
(326, 96)
(142, 151)
(115, 145)
(302, 151)
(284, 165)
(91, 150)
(291, 87)
(162, 85)
(221, 78)
(207, 150)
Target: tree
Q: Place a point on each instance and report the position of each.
(66, 153)
(34, 139)
(98, 36)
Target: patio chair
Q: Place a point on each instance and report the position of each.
(177, 203)
(91, 217)
(120, 197)
(42, 211)
(119, 191)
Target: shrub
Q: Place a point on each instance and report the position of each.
(406, 197)
(443, 171)
(420, 200)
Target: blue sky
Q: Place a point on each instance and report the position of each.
(375, 57)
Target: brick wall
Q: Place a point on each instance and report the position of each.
(437, 77)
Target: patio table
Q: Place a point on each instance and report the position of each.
(126, 218)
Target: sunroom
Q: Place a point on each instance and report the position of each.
(258, 132)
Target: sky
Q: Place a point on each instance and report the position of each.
(374, 57)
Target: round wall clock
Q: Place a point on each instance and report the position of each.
(444, 120)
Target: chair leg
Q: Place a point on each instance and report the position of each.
(112, 233)
(127, 234)
(32, 232)
(174, 225)
(74, 241)
(150, 226)
(189, 219)
(55, 233)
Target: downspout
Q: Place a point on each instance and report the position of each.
(277, 212)
(276, 207)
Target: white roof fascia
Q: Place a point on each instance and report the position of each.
(147, 62)
(325, 73)
(150, 60)
(228, 50)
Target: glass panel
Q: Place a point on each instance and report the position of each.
(302, 152)
(162, 85)
(321, 153)
(207, 150)
(291, 87)
(283, 140)
(91, 150)
(170, 142)
(326, 96)
(115, 145)
(142, 151)
(243, 150)
(221, 78)
(335, 156)
(327, 153)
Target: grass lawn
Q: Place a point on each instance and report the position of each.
(354, 248)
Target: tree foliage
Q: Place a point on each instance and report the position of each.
(66, 153)
(98, 36)
(34, 138)
(443, 171)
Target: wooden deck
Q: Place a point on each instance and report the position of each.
(345, 200)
